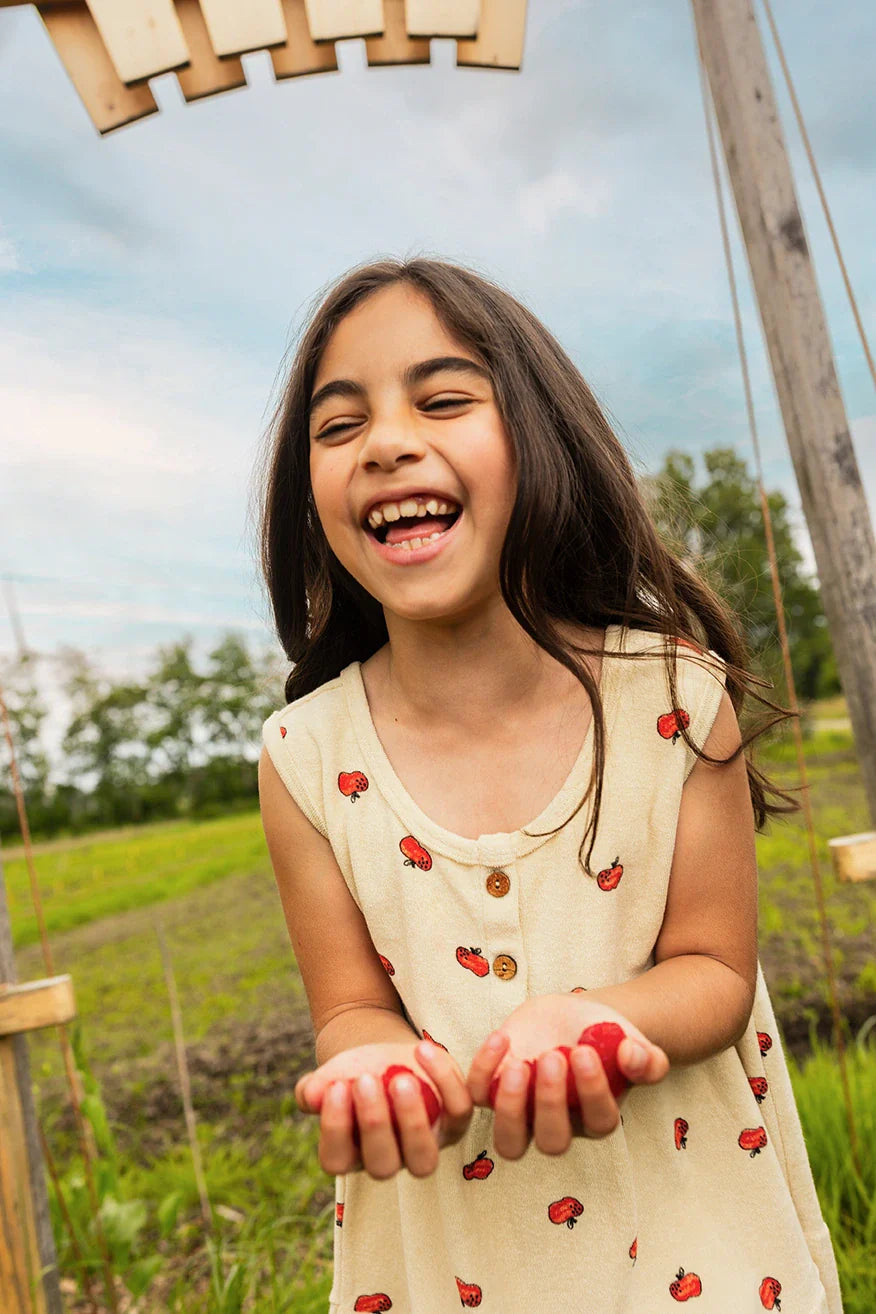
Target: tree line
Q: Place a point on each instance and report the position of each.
(184, 742)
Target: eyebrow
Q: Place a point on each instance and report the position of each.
(414, 374)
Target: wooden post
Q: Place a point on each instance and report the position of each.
(26, 1241)
(800, 353)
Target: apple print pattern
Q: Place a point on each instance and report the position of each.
(500, 1234)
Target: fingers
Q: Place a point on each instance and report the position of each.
(510, 1128)
(483, 1068)
(645, 1071)
(453, 1092)
(363, 1103)
(599, 1114)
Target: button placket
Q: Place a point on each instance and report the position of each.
(503, 934)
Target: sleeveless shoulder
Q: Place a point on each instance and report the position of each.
(301, 739)
(701, 677)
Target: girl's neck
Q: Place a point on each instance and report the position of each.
(466, 675)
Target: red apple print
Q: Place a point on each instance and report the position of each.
(390, 970)
(760, 1088)
(685, 1286)
(479, 1168)
(472, 959)
(415, 854)
(610, 878)
(426, 1036)
(634, 1249)
(469, 1293)
(578, 990)
(605, 1037)
(282, 732)
(769, 1293)
(681, 1130)
(568, 1211)
(667, 725)
(765, 1041)
(379, 1301)
(339, 1214)
(352, 783)
(753, 1139)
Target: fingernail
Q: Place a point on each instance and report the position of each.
(637, 1057)
(366, 1085)
(425, 1051)
(586, 1062)
(403, 1086)
(336, 1092)
(514, 1080)
(496, 1040)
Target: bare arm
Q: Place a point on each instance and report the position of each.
(697, 1000)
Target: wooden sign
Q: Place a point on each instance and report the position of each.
(236, 28)
(77, 40)
(395, 46)
(207, 74)
(333, 20)
(442, 18)
(143, 37)
(110, 48)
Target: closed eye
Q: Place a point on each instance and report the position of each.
(432, 406)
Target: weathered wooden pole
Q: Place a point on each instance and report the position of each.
(27, 1246)
(800, 353)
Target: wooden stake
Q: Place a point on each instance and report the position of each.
(26, 1241)
(800, 353)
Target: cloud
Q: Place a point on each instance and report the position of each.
(11, 261)
(541, 200)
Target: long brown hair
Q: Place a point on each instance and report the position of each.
(581, 545)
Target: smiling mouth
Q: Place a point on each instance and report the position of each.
(412, 527)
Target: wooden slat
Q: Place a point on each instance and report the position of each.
(499, 42)
(333, 20)
(19, 1255)
(442, 18)
(301, 55)
(206, 75)
(236, 28)
(854, 856)
(143, 37)
(36, 1004)
(109, 103)
(395, 46)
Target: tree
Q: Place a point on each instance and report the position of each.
(717, 526)
(27, 712)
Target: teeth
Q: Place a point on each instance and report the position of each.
(408, 544)
(409, 507)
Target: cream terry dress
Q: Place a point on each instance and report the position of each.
(704, 1193)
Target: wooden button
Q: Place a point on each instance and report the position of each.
(498, 883)
(504, 966)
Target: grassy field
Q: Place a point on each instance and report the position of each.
(248, 1038)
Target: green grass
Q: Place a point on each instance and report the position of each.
(117, 872)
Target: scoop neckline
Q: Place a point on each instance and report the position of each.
(498, 846)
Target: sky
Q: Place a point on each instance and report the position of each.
(152, 281)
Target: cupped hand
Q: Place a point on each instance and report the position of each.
(356, 1126)
(535, 1031)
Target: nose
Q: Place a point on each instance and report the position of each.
(390, 441)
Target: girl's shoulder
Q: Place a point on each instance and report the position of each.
(305, 737)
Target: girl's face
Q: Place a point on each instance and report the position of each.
(384, 432)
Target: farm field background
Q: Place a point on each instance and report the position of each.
(248, 1032)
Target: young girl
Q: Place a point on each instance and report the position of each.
(508, 799)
